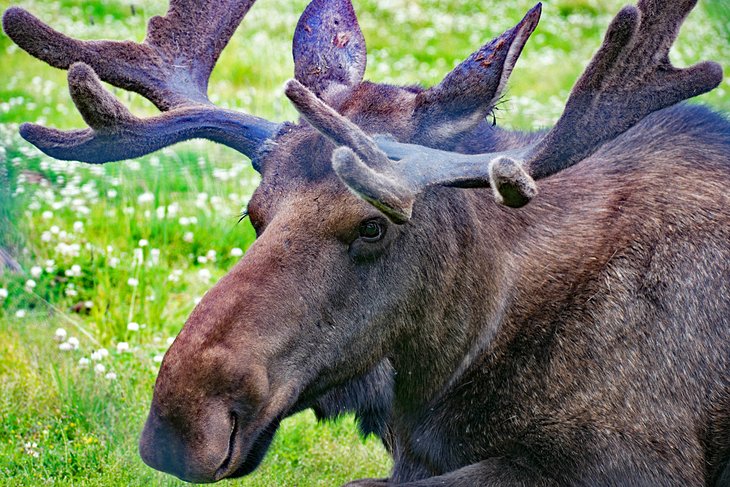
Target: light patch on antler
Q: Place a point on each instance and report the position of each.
(451, 127)
(514, 52)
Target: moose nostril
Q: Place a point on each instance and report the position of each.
(193, 448)
(222, 470)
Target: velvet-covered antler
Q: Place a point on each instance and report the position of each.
(329, 47)
(170, 68)
(629, 78)
(468, 93)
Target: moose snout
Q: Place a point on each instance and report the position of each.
(194, 453)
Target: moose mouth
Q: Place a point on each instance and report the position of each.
(245, 454)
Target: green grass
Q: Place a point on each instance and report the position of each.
(169, 221)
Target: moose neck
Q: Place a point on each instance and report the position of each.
(499, 269)
(456, 315)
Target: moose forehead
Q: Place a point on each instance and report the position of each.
(300, 159)
(298, 181)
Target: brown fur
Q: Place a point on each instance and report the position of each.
(581, 340)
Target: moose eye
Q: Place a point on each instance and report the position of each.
(372, 231)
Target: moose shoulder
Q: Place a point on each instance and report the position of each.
(580, 339)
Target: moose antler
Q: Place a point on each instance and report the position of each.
(170, 68)
(629, 78)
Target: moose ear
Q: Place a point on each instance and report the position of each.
(329, 48)
(466, 96)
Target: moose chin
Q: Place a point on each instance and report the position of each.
(500, 308)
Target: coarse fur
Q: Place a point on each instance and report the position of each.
(582, 340)
(602, 329)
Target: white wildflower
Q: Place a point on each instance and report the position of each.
(204, 274)
(30, 284)
(74, 342)
(144, 242)
(88, 304)
(169, 340)
(132, 326)
(60, 335)
(46, 236)
(111, 376)
(74, 271)
(96, 356)
(3, 293)
(202, 259)
(112, 193)
(122, 347)
(84, 362)
(158, 358)
(236, 252)
(30, 449)
(99, 368)
(36, 271)
(133, 282)
(155, 256)
(47, 215)
(65, 347)
(146, 198)
(211, 255)
(188, 237)
(78, 227)
(20, 313)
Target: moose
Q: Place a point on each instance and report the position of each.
(409, 268)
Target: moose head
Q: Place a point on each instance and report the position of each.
(364, 257)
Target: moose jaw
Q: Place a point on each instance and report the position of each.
(580, 339)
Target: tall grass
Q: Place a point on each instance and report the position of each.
(117, 255)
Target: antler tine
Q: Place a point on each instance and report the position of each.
(333, 125)
(116, 134)
(382, 189)
(391, 187)
(629, 78)
(171, 68)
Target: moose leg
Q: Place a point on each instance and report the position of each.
(495, 472)
(506, 472)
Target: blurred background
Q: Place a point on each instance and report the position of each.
(109, 260)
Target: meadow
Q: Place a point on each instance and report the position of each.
(113, 258)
